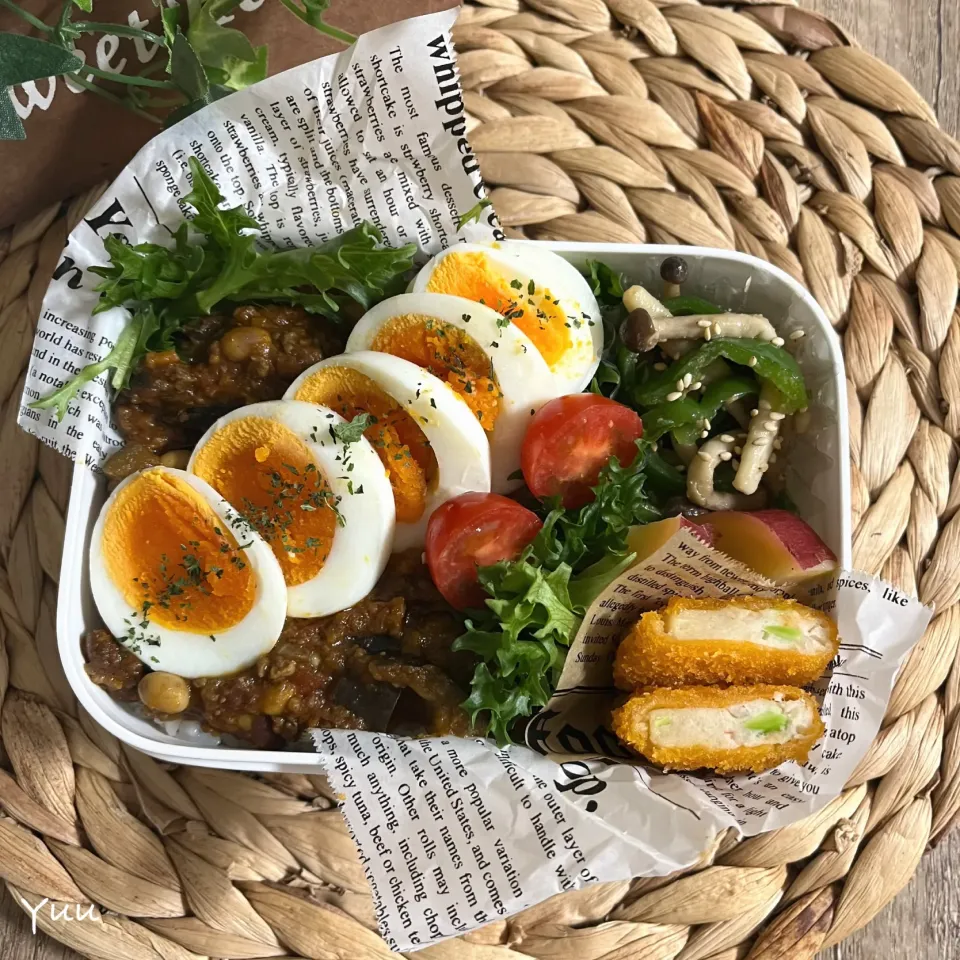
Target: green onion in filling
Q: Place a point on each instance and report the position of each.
(786, 634)
(770, 722)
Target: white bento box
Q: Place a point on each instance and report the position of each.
(818, 478)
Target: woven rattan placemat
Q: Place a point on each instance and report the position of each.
(763, 130)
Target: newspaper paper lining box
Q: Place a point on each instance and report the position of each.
(454, 834)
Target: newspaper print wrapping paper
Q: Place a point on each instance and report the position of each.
(455, 833)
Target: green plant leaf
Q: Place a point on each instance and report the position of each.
(227, 54)
(11, 126)
(64, 33)
(122, 360)
(27, 58)
(237, 74)
(85, 5)
(187, 70)
(521, 639)
(216, 92)
(313, 12)
(590, 583)
(170, 19)
(474, 214)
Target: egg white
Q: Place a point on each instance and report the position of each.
(523, 262)
(524, 378)
(456, 437)
(183, 652)
(361, 546)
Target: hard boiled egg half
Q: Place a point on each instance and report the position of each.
(313, 488)
(489, 362)
(181, 580)
(429, 442)
(538, 291)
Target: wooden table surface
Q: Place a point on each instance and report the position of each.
(921, 38)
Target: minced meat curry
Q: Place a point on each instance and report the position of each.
(224, 362)
(383, 664)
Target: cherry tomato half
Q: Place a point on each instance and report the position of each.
(571, 439)
(470, 531)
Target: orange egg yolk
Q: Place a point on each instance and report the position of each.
(475, 276)
(172, 559)
(402, 446)
(269, 476)
(448, 353)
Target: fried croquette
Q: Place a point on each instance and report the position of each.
(732, 730)
(737, 641)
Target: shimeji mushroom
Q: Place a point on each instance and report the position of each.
(765, 421)
(647, 330)
(640, 298)
(701, 489)
(673, 272)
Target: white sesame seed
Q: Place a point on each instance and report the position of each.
(706, 423)
(738, 449)
(773, 458)
(765, 468)
(654, 446)
(726, 438)
(716, 329)
(676, 395)
(681, 467)
(704, 323)
(687, 379)
(707, 335)
(778, 341)
(759, 442)
(797, 335)
(697, 386)
(659, 366)
(680, 384)
(777, 444)
(752, 362)
(704, 434)
(754, 412)
(703, 456)
(777, 415)
(726, 455)
(771, 425)
(735, 464)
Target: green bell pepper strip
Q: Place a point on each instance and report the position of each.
(665, 417)
(688, 306)
(683, 417)
(663, 479)
(722, 392)
(772, 363)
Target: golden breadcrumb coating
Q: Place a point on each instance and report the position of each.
(649, 657)
(631, 723)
